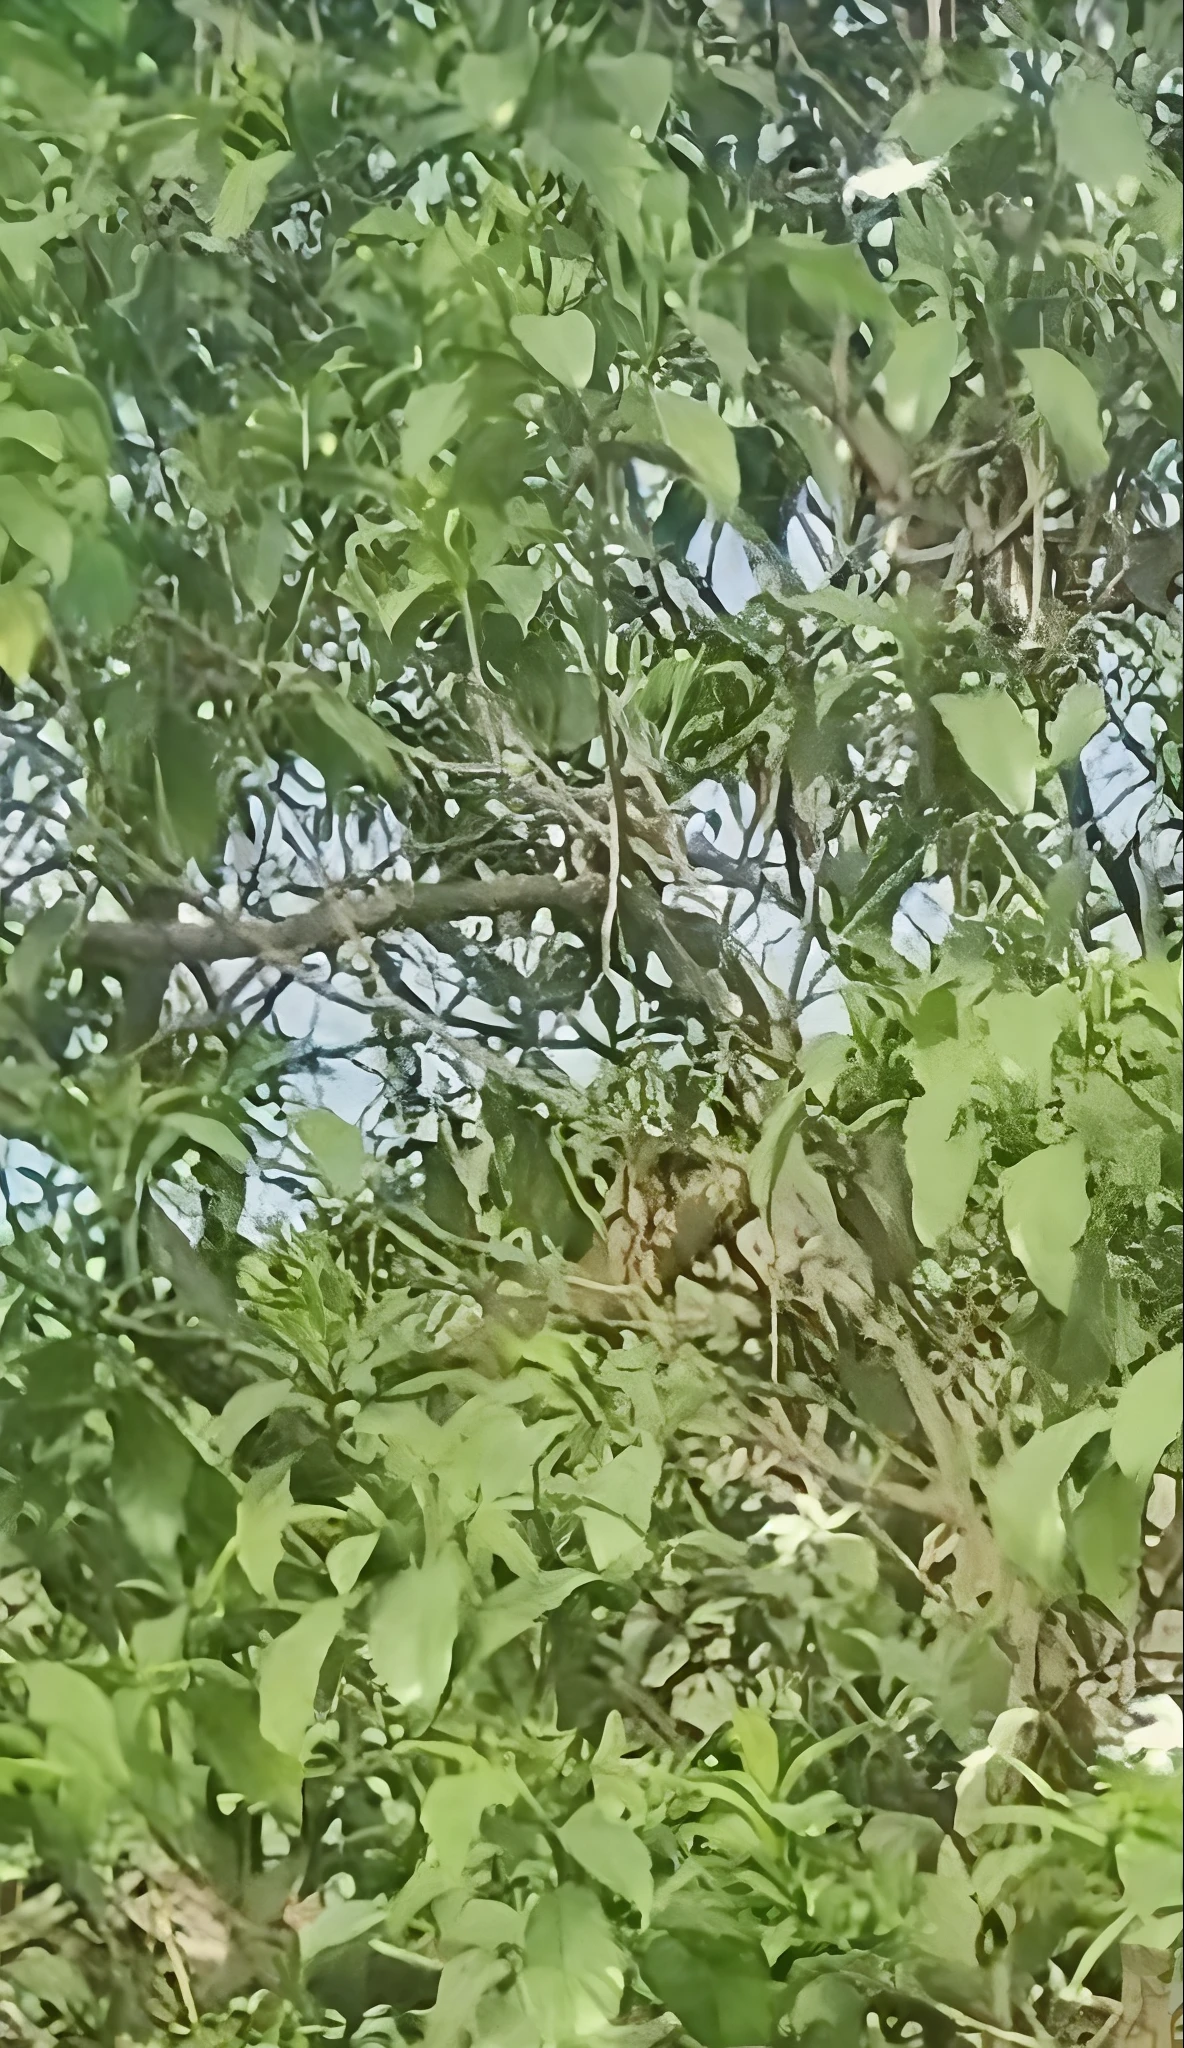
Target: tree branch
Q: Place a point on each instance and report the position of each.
(334, 921)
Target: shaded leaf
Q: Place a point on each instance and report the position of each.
(36, 525)
(637, 86)
(431, 416)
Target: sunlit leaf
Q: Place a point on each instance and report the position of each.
(996, 742)
(244, 190)
(1068, 405)
(1045, 1211)
(563, 344)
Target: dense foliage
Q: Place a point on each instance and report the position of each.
(590, 1027)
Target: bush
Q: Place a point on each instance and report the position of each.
(590, 1067)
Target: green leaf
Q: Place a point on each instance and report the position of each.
(637, 87)
(68, 1704)
(996, 742)
(935, 122)
(188, 771)
(1024, 1029)
(342, 1923)
(612, 1853)
(337, 1148)
(1149, 1873)
(210, 1134)
(1107, 1533)
(1023, 1496)
(704, 443)
(52, 1978)
(520, 589)
(248, 1407)
(917, 375)
(942, 1145)
(723, 1994)
(431, 416)
(1045, 1211)
(39, 430)
(725, 344)
(1100, 140)
(563, 344)
(244, 189)
(24, 623)
(833, 279)
(454, 1806)
(348, 1559)
(413, 1628)
(1068, 405)
(1147, 1417)
(259, 558)
(848, 609)
(573, 1973)
(616, 1503)
(756, 1739)
(108, 18)
(98, 596)
(150, 1473)
(1080, 714)
(29, 519)
(490, 86)
(372, 748)
(264, 1512)
(226, 1719)
(513, 1609)
(289, 1674)
(37, 950)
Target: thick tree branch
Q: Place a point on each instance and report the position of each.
(334, 921)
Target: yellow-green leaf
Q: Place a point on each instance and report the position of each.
(413, 1628)
(24, 623)
(337, 1149)
(1100, 139)
(1045, 1211)
(289, 1673)
(935, 122)
(1024, 1495)
(244, 189)
(1080, 714)
(996, 742)
(1148, 1415)
(917, 375)
(704, 443)
(29, 519)
(1068, 405)
(613, 1853)
(563, 344)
